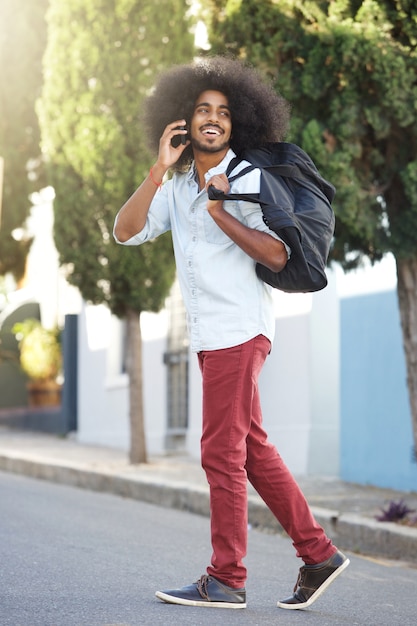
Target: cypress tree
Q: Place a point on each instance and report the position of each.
(102, 59)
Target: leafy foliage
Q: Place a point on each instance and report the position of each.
(101, 61)
(22, 44)
(40, 349)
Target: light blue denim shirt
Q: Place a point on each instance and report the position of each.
(226, 303)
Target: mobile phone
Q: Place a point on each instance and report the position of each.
(179, 139)
(183, 137)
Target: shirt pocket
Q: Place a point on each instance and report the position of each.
(212, 232)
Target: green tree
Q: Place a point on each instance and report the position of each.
(349, 69)
(101, 61)
(22, 45)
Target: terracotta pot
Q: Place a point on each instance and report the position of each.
(44, 393)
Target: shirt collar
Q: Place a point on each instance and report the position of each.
(218, 169)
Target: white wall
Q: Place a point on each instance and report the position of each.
(154, 329)
(102, 395)
(324, 452)
(103, 404)
(285, 391)
(300, 382)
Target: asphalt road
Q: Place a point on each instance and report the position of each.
(70, 557)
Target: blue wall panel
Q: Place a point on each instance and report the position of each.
(376, 431)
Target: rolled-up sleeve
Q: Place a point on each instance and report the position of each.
(157, 222)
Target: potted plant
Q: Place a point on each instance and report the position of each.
(41, 360)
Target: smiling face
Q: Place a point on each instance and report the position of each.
(211, 124)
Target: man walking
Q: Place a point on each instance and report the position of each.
(199, 117)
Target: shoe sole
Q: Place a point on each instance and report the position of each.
(184, 602)
(318, 592)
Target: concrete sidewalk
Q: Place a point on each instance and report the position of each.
(346, 511)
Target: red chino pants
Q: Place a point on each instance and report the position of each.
(234, 449)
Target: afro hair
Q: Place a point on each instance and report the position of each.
(259, 113)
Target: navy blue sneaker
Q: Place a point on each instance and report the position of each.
(207, 591)
(313, 580)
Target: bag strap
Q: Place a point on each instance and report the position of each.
(216, 194)
(234, 163)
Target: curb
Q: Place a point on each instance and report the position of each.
(349, 531)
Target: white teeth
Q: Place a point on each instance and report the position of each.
(210, 131)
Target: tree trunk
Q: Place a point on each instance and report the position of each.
(407, 298)
(137, 452)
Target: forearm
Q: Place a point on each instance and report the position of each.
(260, 246)
(131, 218)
